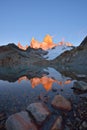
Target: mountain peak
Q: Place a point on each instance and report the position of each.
(46, 44)
(34, 44)
(21, 47)
(65, 43)
(48, 39)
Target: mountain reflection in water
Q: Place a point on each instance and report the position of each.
(20, 88)
(47, 82)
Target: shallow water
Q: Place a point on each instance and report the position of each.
(16, 96)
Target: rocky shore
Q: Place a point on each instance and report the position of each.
(63, 114)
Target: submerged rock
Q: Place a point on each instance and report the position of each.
(39, 111)
(54, 89)
(43, 98)
(80, 85)
(57, 124)
(59, 102)
(20, 121)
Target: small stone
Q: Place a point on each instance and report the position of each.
(20, 121)
(80, 85)
(69, 123)
(57, 124)
(77, 119)
(74, 114)
(39, 111)
(54, 89)
(43, 98)
(83, 125)
(59, 102)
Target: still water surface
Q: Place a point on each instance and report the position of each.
(16, 96)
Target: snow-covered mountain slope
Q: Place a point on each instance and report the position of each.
(56, 51)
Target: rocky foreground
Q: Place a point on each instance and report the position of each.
(51, 113)
(72, 116)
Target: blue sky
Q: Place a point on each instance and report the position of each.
(20, 20)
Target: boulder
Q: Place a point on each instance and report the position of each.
(59, 102)
(39, 111)
(20, 121)
(80, 85)
(57, 124)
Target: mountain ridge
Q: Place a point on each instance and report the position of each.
(74, 59)
(46, 44)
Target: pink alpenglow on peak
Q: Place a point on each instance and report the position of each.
(21, 47)
(46, 44)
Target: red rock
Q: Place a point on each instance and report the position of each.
(57, 124)
(59, 102)
(20, 121)
(39, 111)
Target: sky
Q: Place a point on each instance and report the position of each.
(20, 20)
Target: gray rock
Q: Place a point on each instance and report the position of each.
(20, 121)
(80, 85)
(39, 111)
(83, 126)
(59, 102)
(57, 124)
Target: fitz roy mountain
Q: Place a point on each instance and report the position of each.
(37, 52)
(15, 59)
(53, 50)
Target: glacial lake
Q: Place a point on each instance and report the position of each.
(15, 96)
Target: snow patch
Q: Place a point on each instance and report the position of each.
(56, 51)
